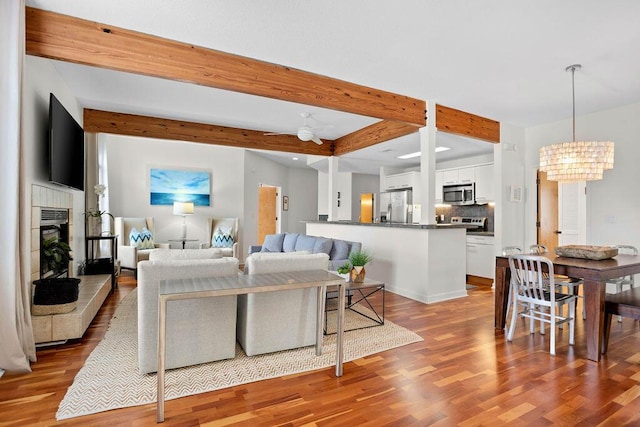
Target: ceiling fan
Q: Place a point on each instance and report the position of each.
(304, 132)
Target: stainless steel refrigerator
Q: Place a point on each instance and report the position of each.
(396, 206)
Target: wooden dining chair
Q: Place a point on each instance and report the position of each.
(535, 296)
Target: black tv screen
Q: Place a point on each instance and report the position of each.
(66, 147)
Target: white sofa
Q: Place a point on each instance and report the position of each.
(275, 321)
(198, 331)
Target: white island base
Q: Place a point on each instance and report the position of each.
(426, 263)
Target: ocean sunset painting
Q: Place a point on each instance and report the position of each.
(167, 186)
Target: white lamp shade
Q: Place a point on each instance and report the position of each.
(182, 208)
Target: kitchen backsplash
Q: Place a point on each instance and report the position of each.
(467, 210)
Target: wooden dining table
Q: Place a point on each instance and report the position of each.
(595, 274)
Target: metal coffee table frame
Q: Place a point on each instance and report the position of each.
(364, 290)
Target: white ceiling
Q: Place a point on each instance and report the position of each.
(502, 59)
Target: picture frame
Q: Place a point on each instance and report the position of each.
(285, 203)
(167, 186)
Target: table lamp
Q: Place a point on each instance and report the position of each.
(184, 209)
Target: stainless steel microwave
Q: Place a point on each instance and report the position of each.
(459, 194)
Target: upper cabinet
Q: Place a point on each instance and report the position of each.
(402, 181)
(484, 183)
(458, 176)
(482, 175)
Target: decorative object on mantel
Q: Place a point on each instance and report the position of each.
(577, 160)
(358, 260)
(587, 251)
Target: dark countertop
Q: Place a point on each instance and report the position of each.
(393, 225)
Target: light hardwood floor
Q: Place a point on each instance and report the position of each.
(463, 373)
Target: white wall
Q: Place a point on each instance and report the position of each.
(303, 198)
(40, 79)
(259, 170)
(613, 204)
(509, 171)
(129, 161)
(362, 183)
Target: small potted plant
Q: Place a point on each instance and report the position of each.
(358, 260)
(344, 271)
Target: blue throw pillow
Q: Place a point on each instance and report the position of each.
(340, 250)
(141, 239)
(222, 238)
(305, 243)
(272, 243)
(322, 246)
(289, 243)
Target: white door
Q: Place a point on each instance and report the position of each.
(572, 217)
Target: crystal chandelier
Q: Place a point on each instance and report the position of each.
(576, 160)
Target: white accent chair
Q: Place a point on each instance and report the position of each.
(224, 223)
(534, 296)
(275, 321)
(129, 256)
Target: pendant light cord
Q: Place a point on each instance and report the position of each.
(573, 69)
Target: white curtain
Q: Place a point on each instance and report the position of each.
(17, 346)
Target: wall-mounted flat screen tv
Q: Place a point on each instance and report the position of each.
(66, 147)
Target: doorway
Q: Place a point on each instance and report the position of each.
(561, 212)
(267, 211)
(547, 212)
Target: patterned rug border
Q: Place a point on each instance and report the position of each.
(110, 380)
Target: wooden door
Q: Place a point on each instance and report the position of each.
(266, 212)
(547, 218)
(366, 207)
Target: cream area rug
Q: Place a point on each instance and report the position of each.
(109, 378)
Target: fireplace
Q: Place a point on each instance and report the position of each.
(54, 224)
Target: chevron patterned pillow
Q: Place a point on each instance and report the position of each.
(222, 238)
(141, 239)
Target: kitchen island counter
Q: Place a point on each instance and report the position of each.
(393, 225)
(426, 263)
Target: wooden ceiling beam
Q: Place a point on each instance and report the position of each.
(153, 127)
(71, 39)
(459, 122)
(376, 133)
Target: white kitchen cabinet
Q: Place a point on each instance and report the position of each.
(450, 177)
(439, 181)
(402, 181)
(466, 175)
(458, 176)
(480, 256)
(484, 183)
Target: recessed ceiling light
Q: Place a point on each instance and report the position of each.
(294, 158)
(417, 153)
(409, 156)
